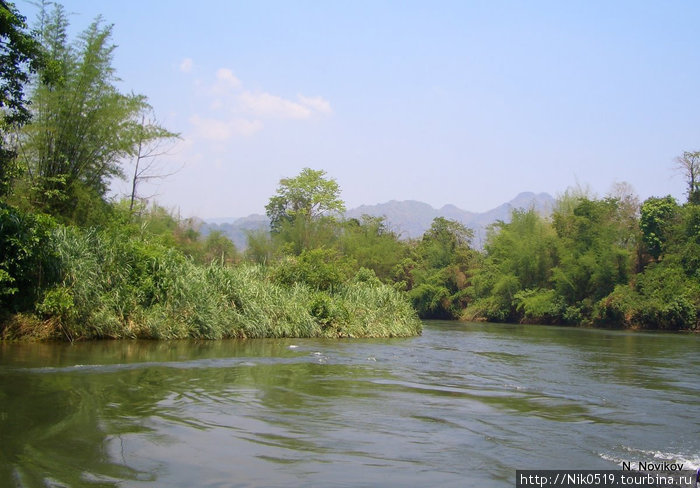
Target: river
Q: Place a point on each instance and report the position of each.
(462, 405)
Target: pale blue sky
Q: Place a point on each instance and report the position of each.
(464, 102)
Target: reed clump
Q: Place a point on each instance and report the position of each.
(111, 284)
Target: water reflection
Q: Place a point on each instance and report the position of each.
(464, 401)
(68, 423)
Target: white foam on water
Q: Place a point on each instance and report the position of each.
(322, 358)
(612, 459)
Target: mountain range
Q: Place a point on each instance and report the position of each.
(408, 218)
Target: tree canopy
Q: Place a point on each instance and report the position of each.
(306, 196)
(19, 57)
(83, 128)
(302, 206)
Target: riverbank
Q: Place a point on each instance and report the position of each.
(249, 307)
(110, 285)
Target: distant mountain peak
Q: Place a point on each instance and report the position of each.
(409, 218)
(412, 218)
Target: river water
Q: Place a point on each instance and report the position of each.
(462, 405)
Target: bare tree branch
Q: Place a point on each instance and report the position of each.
(149, 148)
(689, 165)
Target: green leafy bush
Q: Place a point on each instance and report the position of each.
(322, 269)
(663, 298)
(57, 302)
(539, 306)
(431, 300)
(619, 309)
(28, 263)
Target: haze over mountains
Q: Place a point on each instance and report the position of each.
(409, 218)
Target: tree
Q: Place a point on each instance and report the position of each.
(656, 222)
(525, 247)
(689, 165)
(627, 219)
(627, 206)
(19, 57)
(594, 255)
(372, 245)
(149, 139)
(307, 196)
(261, 248)
(442, 240)
(83, 128)
(219, 248)
(301, 201)
(438, 276)
(517, 268)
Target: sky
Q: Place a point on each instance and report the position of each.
(447, 102)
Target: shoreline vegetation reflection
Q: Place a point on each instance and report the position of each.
(279, 412)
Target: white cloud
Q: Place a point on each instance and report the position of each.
(226, 86)
(268, 105)
(211, 129)
(319, 104)
(222, 130)
(226, 76)
(264, 104)
(186, 65)
(247, 127)
(232, 110)
(182, 145)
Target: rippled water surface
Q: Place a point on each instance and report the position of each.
(462, 405)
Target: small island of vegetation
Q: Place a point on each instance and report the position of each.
(75, 264)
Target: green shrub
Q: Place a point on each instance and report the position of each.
(322, 269)
(328, 310)
(573, 315)
(365, 275)
(663, 298)
(619, 309)
(28, 263)
(539, 306)
(117, 284)
(491, 308)
(679, 313)
(57, 302)
(374, 311)
(431, 301)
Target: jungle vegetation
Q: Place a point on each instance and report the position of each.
(75, 264)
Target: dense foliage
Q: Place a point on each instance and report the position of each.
(19, 58)
(76, 265)
(82, 127)
(129, 280)
(594, 261)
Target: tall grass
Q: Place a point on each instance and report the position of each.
(114, 285)
(374, 310)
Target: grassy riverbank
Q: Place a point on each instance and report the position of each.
(90, 284)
